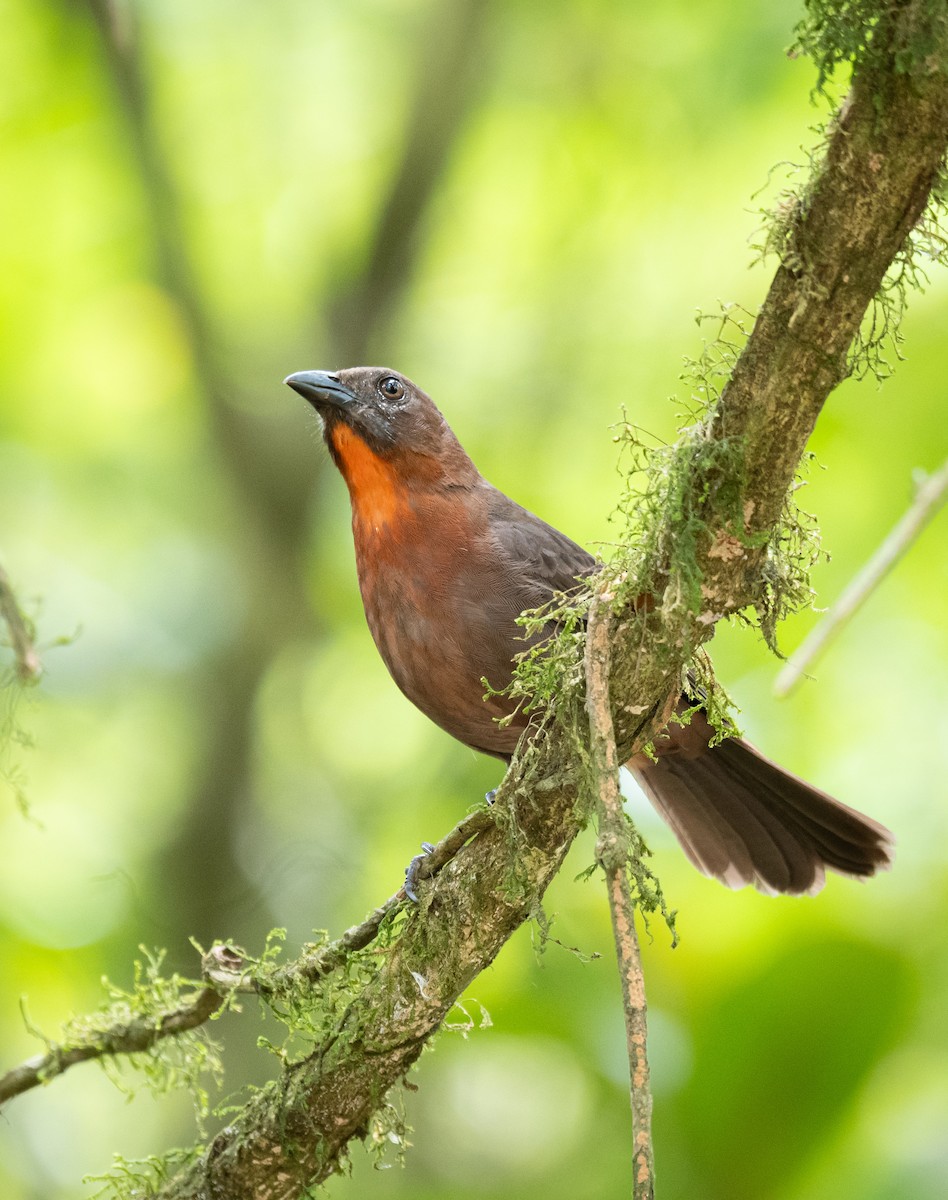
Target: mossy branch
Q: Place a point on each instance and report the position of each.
(732, 473)
(613, 855)
(121, 1038)
(225, 972)
(884, 154)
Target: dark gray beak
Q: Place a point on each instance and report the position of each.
(321, 389)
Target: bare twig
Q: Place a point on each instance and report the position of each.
(612, 851)
(928, 499)
(28, 666)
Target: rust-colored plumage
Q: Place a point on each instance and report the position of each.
(447, 563)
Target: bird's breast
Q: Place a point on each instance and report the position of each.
(379, 498)
(439, 619)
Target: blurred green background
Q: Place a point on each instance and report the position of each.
(521, 206)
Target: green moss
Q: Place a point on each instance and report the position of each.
(880, 334)
(793, 549)
(836, 33)
(137, 1179)
(846, 33)
(189, 1060)
(316, 1012)
(388, 1133)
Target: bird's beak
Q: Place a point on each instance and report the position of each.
(321, 389)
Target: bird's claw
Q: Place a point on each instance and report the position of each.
(411, 872)
(491, 796)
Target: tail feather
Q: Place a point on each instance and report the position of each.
(742, 819)
(781, 859)
(711, 844)
(835, 818)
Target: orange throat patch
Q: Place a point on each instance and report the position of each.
(376, 493)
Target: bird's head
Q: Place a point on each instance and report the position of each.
(381, 426)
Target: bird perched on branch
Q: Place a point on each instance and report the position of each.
(447, 563)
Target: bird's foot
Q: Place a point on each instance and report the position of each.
(491, 796)
(411, 872)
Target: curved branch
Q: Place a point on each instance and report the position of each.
(131, 1038)
(226, 971)
(880, 166)
(309, 968)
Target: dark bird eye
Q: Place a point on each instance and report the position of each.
(392, 388)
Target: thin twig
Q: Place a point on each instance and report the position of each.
(612, 852)
(28, 665)
(928, 499)
(226, 971)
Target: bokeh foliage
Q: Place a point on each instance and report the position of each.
(219, 750)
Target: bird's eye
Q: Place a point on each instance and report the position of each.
(391, 388)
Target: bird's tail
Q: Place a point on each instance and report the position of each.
(742, 819)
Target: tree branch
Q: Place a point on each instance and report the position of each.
(225, 971)
(612, 852)
(928, 499)
(884, 154)
(133, 1037)
(27, 662)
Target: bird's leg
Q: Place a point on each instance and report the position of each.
(411, 871)
(491, 796)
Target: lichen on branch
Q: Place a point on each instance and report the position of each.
(708, 549)
(883, 158)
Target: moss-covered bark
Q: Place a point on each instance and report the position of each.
(885, 152)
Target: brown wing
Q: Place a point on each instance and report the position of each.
(520, 564)
(539, 557)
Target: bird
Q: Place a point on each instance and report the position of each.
(447, 563)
